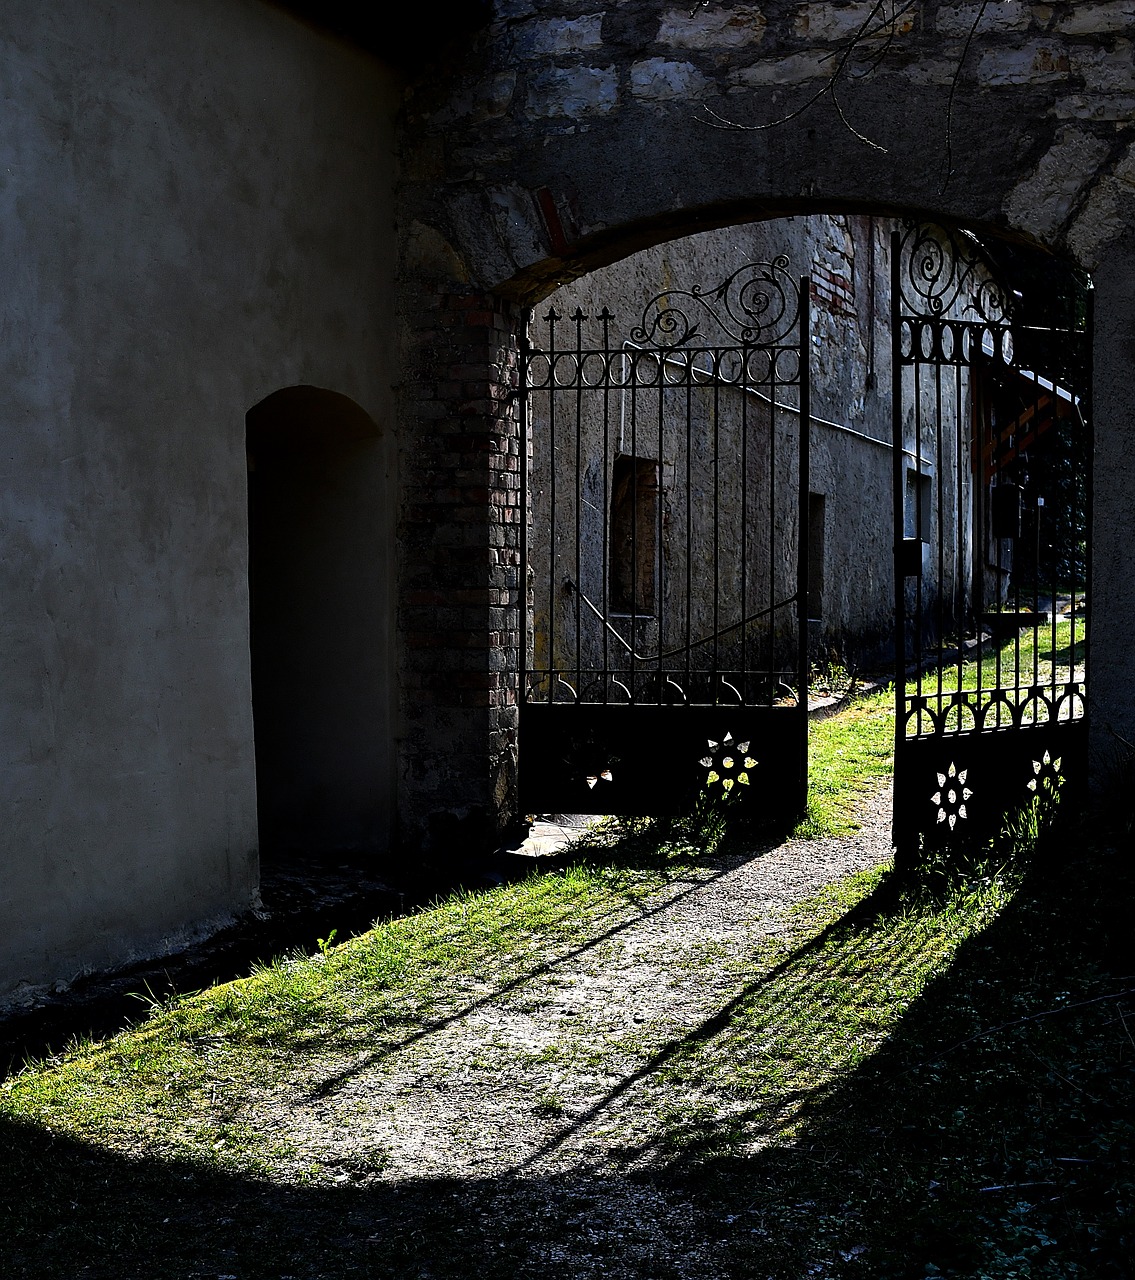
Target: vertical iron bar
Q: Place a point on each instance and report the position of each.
(1018, 566)
(659, 565)
(900, 824)
(1087, 454)
(1054, 583)
(1053, 575)
(771, 619)
(553, 477)
(919, 582)
(743, 386)
(689, 381)
(998, 464)
(716, 537)
(605, 318)
(579, 385)
(964, 435)
(803, 536)
(940, 516)
(983, 416)
(633, 602)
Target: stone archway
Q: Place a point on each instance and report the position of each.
(568, 140)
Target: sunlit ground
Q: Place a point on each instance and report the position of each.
(896, 1086)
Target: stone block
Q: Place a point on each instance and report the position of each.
(558, 36)
(1105, 70)
(572, 93)
(1106, 213)
(1098, 19)
(717, 28)
(1084, 106)
(487, 99)
(1004, 16)
(658, 80)
(794, 69)
(1041, 204)
(1038, 62)
(842, 21)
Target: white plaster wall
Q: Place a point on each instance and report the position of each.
(195, 210)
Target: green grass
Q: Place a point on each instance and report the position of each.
(989, 1133)
(1047, 656)
(900, 1087)
(171, 1080)
(849, 754)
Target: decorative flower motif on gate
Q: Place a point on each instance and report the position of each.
(590, 761)
(1046, 774)
(728, 763)
(951, 795)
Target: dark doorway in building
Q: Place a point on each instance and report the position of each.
(319, 622)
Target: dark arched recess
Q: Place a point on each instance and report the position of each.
(319, 584)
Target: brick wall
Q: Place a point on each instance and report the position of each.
(458, 620)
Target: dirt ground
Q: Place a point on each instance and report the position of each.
(549, 1089)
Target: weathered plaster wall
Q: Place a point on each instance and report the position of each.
(848, 259)
(194, 212)
(849, 357)
(576, 132)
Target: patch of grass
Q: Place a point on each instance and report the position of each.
(178, 1080)
(1052, 655)
(848, 754)
(798, 1029)
(902, 1086)
(989, 1134)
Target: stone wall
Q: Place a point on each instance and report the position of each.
(572, 134)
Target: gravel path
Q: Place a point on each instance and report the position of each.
(553, 1077)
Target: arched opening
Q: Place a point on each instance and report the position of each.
(319, 528)
(685, 544)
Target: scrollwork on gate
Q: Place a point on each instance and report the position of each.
(758, 303)
(943, 273)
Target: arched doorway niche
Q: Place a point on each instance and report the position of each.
(320, 552)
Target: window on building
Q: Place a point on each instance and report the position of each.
(633, 543)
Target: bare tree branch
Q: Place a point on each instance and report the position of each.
(878, 21)
(953, 91)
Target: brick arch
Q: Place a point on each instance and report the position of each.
(573, 135)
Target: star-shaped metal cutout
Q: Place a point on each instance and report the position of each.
(728, 763)
(951, 795)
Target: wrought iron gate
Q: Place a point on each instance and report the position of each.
(991, 449)
(665, 553)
